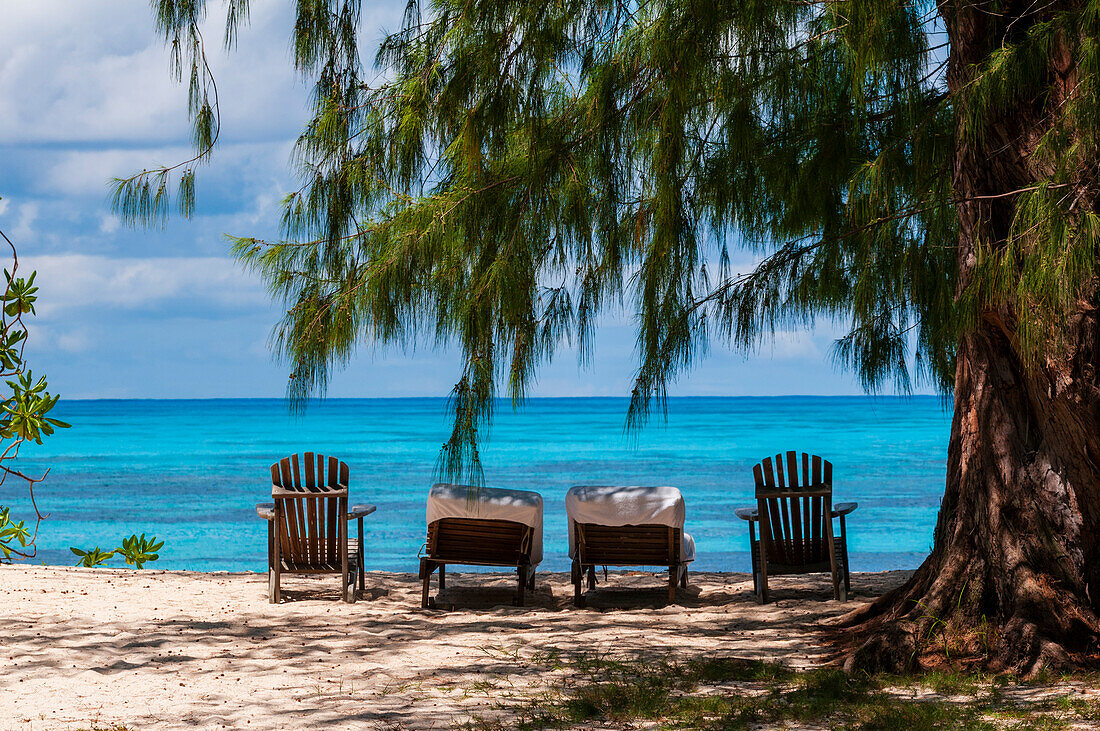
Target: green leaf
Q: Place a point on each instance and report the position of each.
(92, 557)
(139, 550)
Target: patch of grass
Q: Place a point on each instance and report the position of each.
(728, 669)
(891, 715)
(840, 701)
(724, 694)
(956, 682)
(1084, 709)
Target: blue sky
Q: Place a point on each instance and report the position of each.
(85, 95)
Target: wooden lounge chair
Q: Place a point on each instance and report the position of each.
(307, 525)
(795, 513)
(458, 534)
(610, 542)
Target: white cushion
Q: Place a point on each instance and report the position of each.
(489, 503)
(627, 505)
(687, 551)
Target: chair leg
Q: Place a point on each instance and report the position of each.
(272, 577)
(684, 577)
(276, 594)
(754, 558)
(351, 589)
(346, 571)
(838, 572)
(755, 569)
(762, 590)
(426, 569)
(578, 580)
(847, 570)
(521, 585)
(673, 572)
(362, 566)
(442, 576)
(531, 578)
(592, 576)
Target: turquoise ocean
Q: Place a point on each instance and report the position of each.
(192, 471)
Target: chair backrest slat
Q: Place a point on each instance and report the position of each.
(627, 545)
(793, 507)
(290, 471)
(816, 478)
(309, 518)
(807, 511)
(310, 461)
(333, 468)
(480, 540)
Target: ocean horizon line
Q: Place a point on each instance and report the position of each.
(320, 400)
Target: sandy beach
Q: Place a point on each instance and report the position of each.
(162, 649)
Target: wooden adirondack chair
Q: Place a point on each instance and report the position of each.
(307, 528)
(795, 513)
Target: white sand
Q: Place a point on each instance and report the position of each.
(167, 649)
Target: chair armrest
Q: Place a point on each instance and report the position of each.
(749, 514)
(358, 511)
(266, 510)
(843, 509)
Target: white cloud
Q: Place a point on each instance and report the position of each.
(64, 339)
(20, 224)
(794, 345)
(74, 341)
(88, 172)
(108, 224)
(101, 83)
(78, 282)
(96, 70)
(235, 166)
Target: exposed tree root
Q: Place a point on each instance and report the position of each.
(919, 627)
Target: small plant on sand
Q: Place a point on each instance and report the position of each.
(12, 533)
(91, 557)
(137, 550)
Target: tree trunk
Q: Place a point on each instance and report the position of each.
(1013, 575)
(1013, 580)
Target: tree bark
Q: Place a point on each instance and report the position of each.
(1013, 580)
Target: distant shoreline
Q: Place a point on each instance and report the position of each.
(444, 399)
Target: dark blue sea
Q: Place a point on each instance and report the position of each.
(190, 472)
